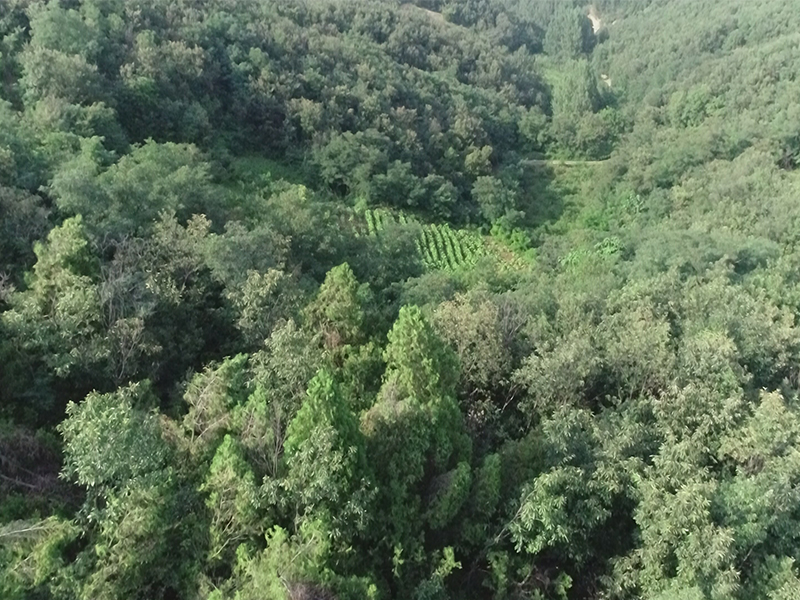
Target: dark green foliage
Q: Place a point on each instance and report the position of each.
(23, 219)
(130, 194)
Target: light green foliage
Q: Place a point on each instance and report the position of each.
(112, 438)
(777, 578)
(551, 513)
(474, 327)
(232, 499)
(134, 548)
(281, 374)
(419, 365)
(262, 301)
(575, 127)
(477, 162)
(451, 249)
(336, 313)
(562, 505)
(134, 502)
(758, 499)
(157, 81)
(259, 423)
(689, 109)
(63, 30)
(351, 159)
(325, 406)
(558, 374)
(422, 371)
(282, 565)
(483, 500)
(417, 430)
(59, 315)
(637, 350)
(59, 62)
(378, 219)
(293, 566)
(532, 127)
(569, 33)
(65, 121)
(211, 397)
(325, 455)
(287, 363)
(433, 587)
(177, 258)
(400, 436)
(31, 556)
(69, 77)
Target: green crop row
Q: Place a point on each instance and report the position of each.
(445, 248)
(440, 246)
(379, 219)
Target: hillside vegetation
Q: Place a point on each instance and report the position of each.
(362, 299)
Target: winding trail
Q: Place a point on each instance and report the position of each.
(559, 163)
(432, 14)
(594, 17)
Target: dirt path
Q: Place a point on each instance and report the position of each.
(430, 13)
(594, 17)
(559, 163)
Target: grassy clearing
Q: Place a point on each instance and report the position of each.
(255, 169)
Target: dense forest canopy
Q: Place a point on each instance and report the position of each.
(445, 299)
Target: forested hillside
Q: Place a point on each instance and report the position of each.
(363, 299)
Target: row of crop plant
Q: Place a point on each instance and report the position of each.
(372, 222)
(440, 246)
(445, 248)
(379, 219)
